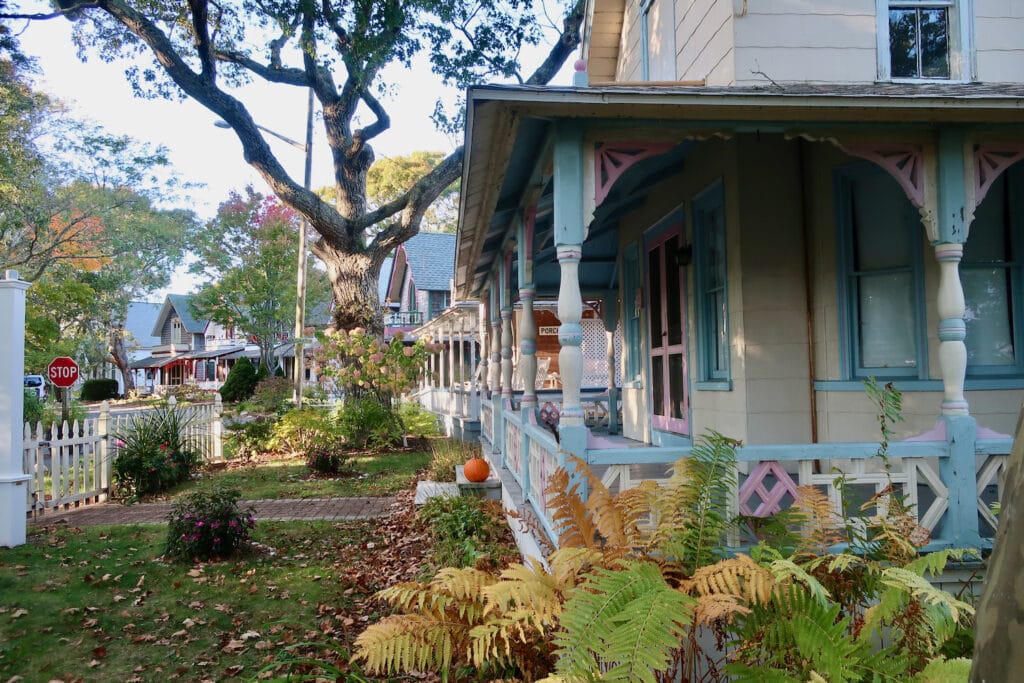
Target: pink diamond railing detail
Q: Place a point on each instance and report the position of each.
(771, 499)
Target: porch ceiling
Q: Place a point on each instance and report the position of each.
(508, 126)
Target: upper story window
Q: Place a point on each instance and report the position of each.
(924, 40)
(177, 331)
(657, 40)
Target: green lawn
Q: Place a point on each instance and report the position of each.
(97, 604)
(371, 475)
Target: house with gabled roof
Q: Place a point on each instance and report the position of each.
(190, 350)
(419, 283)
(774, 202)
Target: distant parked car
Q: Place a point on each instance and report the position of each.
(37, 384)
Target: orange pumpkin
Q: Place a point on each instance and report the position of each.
(476, 469)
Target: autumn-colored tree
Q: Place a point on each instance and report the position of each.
(248, 254)
(203, 50)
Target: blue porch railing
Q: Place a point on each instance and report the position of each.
(951, 502)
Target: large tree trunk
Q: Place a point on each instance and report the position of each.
(119, 356)
(354, 284)
(998, 647)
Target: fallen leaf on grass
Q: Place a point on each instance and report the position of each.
(233, 670)
(18, 613)
(249, 635)
(233, 647)
(90, 623)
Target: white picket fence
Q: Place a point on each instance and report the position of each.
(72, 465)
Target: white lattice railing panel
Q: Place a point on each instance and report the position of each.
(513, 448)
(990, 473)
(906, 473)
(543, 464)
(487, 421)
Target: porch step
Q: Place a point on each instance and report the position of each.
(432, 489)
(488, 488)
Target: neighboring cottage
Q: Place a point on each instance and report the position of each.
(419, 281)
(772, 203)
(190, 351)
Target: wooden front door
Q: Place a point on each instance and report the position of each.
(666, 284)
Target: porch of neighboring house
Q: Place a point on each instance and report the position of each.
(752, 272)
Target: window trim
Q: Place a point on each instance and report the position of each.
(849, 346)
(961, 39)
(709, 378)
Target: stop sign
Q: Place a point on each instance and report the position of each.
(62, 371)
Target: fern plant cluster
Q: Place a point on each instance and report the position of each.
(641, 589)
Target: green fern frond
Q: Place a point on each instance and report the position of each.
(934, 563)
(920, 589)
(941, 670)
(692, 510)
(785, 570)
(628, 619)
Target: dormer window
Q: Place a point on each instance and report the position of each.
(924, 40)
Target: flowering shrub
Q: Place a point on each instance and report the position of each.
(363, 365)
(151, 455)
(209, 524)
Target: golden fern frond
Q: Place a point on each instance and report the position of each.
(410, 642)
(492, 641)
(822, 527)
(466, 588)
(840, 562)
(412, 596)
(531, 590)
(568, 565)
(737, 576)
(712, 608)
(569, 514)
(634, 507)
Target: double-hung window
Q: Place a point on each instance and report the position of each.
(881, 284)
(712, 296)
(991, 277)
(922, 40)
(632, 307)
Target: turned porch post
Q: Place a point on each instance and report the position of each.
(451, 368)
(528, 324)
(462, 366)
(506, 328)
(481, 324)
(569, 234)
(495, 346)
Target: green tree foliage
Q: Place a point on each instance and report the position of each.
(248, 254)
(390, 177)
(206, 50)
(80, 220)
(240, 383)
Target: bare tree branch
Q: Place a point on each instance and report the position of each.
(204, 46)
(567, 43)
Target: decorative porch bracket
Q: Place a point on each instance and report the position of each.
(613, 159)
(989, 162)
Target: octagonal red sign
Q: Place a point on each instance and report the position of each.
(62, 371)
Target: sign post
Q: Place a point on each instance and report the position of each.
(13, 479)
(63, 373)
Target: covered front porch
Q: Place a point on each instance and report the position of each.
(746, 252)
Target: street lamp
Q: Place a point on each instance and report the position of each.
(300, 280)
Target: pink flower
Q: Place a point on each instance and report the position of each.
(409, 351)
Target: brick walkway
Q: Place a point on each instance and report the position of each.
(287, 509)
